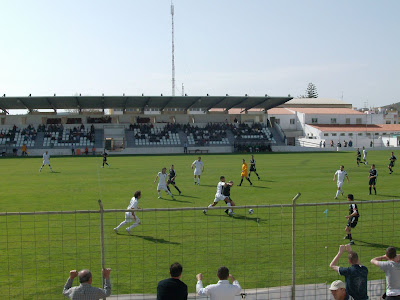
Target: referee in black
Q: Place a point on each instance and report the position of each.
(171, 179)
(373, 174)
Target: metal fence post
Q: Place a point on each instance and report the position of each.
(102, 240)
(294, 246)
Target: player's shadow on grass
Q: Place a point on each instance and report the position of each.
(254, 187)
(209, 185)
(375, 245)
(187, 196)
(175, 200)
(258, 220)
(55, 172)
(154, 240)
(265, 180)
(389, 196)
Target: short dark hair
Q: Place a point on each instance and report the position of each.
(137, 194)
(353, 257)
(84, 276)
(223, 273)
(350, 196)
(391, 252)
(222, 177)
(175, 269)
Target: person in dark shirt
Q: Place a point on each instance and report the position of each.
(352, 218)
(373, 174)
(173, 288)
(226, 191)
(358, 157)
(171, 179)
(253, 167)
(105, 154)
(391, 164)
(356, 276)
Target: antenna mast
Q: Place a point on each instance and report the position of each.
(173, 51)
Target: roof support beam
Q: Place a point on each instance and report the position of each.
(215, 104)
(258, 103)
(240, 102)
(102, 103)
(78, 105)
(51, 105)
(146, 104)
(19, 99)
(166, 104)
(4, 110)
(124, 105)
(193, 103)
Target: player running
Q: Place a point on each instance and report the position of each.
(46, 161)
(391, 164)
(253, 167)
(373, 174)
(244, 173)
(198, 168)
(352, 218)
(358, 157)
(219, 195)
(130, 216)
(171, 179)
(226, 191)
(162, 177)
(105, 154)
(365, 156)
(341, 174)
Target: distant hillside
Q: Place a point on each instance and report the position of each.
(395, 106)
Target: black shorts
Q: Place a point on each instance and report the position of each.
(372, 181)
(171, 181)
(358, 158)
(391, 164)
(229, 197)
(351, 223)
(253, 169)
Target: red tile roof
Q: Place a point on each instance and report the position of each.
(280, 111)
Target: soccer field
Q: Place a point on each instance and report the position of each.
(37, 252)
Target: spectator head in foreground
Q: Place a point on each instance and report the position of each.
(338, 290)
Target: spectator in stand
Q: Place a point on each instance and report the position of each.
(93, 151)
(350, 143)
(86, 150)
(72, 149)
(172, 288)
(185, 146)
(389, 263)
(223, 290)
(338, 290)
(85, 290)
(24, 150)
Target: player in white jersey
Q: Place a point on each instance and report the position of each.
(130, 216)
(341, 174)
(162, 185)
(220, 196)
(46, 161)
(365, 156)
(198, 168)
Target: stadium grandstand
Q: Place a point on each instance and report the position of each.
(138, 124)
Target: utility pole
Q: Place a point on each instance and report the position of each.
(173, 51)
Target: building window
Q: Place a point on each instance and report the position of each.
(368, 134)
(358, 121)
(342, 134)
(384, 133)
(347, 120)
(292, 121)
(314, 120)
(360, 134)
(333, 120)
(376, 133)
(350, 134)
(326, 134)
(388, 122)
(334, 134)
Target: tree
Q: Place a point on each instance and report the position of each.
(311, 91)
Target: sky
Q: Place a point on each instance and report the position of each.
(348, 49)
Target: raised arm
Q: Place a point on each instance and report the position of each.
(199, 286)
(375, 261)
(333, 265)
(68, 284)
(156, 179)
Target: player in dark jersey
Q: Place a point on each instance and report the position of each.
(105, 154)
(358, 157)
(391, 164)
(253, 167)
(171, 179)
(373, 174)
(226, 191)
(352, 218)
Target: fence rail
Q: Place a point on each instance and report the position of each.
(281, 251)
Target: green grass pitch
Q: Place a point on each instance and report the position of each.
(37, 252)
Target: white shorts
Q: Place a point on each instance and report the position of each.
(219, 198)
(46, 163)
(162, 187)
(339, 184)
(129, 218)
(364, 157)
(197, 172)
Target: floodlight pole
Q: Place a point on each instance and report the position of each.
(294, 246)
(173, 51)
(102, 240)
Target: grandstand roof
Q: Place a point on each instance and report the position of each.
(140, 102)
(317, 102)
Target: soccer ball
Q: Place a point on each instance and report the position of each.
(251, 211)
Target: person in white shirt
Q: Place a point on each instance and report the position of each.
(220, 196)
(130, 216)
(223, 290)
(162, 184)
(365, 156)
(198, 168)
(341, 174)
(46, 161)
